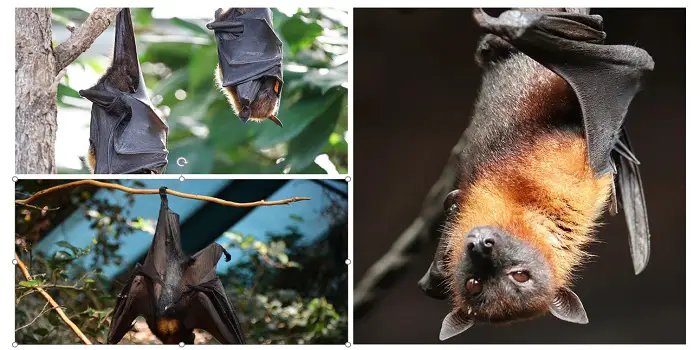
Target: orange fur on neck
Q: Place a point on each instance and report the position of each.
(546, 194)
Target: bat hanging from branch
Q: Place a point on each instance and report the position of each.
(546, 152)
(250, 62)
(126, 134)
(176, 293)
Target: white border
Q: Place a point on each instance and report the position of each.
(7, 136)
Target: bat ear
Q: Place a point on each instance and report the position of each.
(566, 306)
(432, 283)
(455, 323)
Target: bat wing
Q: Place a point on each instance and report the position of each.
(165, 250)
(134, 300)
(605, 78)
(214, 313)
(127, 134)
(629, 184)
(248, 47)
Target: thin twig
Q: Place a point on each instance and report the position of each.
(38, 208)
(53, 303)
(43, 311)
(81, 38)
(156, 191)
(396, 257)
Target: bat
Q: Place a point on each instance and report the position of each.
(249, 71)
(547, 152)
(174, 292)
(126, 134)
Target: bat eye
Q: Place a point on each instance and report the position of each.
(520, 276)
(451, 202)
(473, 286)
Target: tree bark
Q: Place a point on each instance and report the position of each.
(38, 71)
(35, 92)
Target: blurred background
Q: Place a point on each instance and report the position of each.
(178, 56)
(287, 277)
(415, 79)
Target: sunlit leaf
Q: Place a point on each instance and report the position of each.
(30, 284)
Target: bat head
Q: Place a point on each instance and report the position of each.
(501, 278)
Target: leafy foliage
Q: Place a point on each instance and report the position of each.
(285, 292)
(178, 68)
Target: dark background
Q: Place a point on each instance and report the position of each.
(415, 82)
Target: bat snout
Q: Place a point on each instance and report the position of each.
(482, 241)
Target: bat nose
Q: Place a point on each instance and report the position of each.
(481, 241)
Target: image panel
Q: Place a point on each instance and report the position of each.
(533, 186)
(169, 262)
(182, 90)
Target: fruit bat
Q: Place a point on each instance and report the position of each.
(126, 134)
(174, 292)
(249, 71)
(546, 152)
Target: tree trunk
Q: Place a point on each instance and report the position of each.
(35, 92)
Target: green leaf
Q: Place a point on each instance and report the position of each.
(30, 284)
(65, 244)
(201, 69)
(247, 242)
(175, 55)
(299, 34)
(167, 87)
(226, 132)
(199, 155)
(327, 79)
(307, 145)
(296, 218)
(191, 27)
(42, 332)
(142, 16)
(296, 117)
(64, 90)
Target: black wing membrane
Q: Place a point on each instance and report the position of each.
(134, 300)
(605, 79)
(629, 184)
(214, 313)
(126, 133)
(249, 49)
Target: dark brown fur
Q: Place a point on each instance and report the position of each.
(266, 103)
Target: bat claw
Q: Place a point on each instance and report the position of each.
(276, 121)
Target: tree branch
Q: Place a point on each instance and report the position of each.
(53, 303)
(156, 191)
(395, 258)
(82, 37)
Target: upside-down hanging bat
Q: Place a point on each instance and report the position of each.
(250, 62)
(174, 292)
(126, 134)
(546, 152)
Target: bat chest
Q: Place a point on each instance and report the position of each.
(169, 330)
